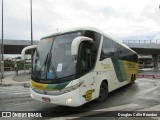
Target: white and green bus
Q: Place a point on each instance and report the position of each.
(76, 66)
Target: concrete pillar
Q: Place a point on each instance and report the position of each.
(155, 61)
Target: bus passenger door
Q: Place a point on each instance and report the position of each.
(86, 64)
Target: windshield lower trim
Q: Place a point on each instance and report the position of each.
(53, 81)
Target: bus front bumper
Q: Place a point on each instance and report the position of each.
(67, 99)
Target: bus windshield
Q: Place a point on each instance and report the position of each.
(53, 59)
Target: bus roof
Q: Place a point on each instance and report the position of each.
(90, 29)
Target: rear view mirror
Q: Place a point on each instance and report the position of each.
(76, 42)
(27, 48)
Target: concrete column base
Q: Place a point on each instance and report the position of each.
(155, 62)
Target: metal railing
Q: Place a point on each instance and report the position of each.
(157, 41)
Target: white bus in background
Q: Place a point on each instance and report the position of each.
(79, 65)
(145, 62)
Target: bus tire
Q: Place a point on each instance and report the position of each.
(103, 92)
(134, 77)
(132, 80)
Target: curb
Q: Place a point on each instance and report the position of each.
(27, 84)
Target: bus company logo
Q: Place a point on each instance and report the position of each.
(88, 95)
(6, 114)
(105, 66)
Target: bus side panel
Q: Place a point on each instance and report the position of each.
(104, 70)
(124, 70)
(131, 69)
(88, 88)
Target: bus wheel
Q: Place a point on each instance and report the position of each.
(132, 80)
(103, 92)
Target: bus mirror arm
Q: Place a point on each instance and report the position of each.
(76, 42)
(27, 48)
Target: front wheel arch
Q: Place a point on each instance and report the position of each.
(103, 91)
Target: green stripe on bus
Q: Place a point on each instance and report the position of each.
(119, 69)
(57, 86)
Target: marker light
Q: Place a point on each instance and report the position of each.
(69, 100)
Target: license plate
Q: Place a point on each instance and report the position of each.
(45, 99)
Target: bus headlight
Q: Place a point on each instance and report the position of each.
(69, 89)
(69, 100)
(31, 95)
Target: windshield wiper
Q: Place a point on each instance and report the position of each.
(48, 64)
(36, 59)
(48, 60)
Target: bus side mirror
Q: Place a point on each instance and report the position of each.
(25, 49)
(76, 42)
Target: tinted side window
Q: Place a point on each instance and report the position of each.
(86, 58)
(95, 36)
(89, 34)
(124, 54)
(118, 51)
(107, 48)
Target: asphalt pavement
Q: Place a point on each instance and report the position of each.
(142, 96)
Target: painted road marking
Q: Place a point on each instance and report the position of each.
(14, 90)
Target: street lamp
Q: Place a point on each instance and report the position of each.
(2, 49)
(31, 22)
(31, 34)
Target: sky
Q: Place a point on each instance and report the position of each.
(122, 19)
